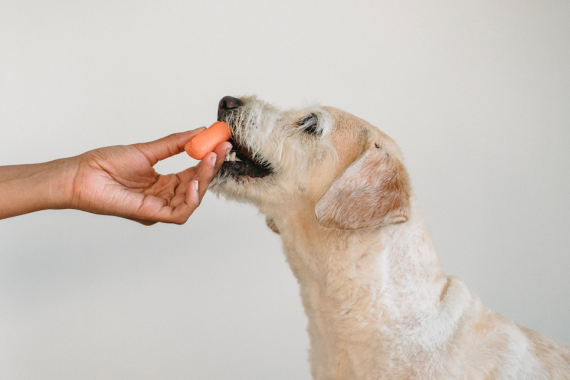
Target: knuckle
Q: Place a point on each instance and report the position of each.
(195, 204)
(180, 220)
(173, 135)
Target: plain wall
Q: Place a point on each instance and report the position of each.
(477, 94)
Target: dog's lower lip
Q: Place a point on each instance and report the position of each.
(242, 163)
(243, 168)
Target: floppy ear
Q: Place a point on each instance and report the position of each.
(373, 191)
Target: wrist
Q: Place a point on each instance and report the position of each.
(57, 179)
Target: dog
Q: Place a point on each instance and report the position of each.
(379, 305)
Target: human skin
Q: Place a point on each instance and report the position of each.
(116, 180)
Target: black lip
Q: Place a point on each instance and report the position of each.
(237, 169)
(248, 166)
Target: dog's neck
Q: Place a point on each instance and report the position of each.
(360, 288)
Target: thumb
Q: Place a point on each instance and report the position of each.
(167, 146)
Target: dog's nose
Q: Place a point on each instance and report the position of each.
(229, 103)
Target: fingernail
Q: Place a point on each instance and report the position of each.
(196, 185)
(213, 159)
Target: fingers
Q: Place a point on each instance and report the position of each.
(167, 146)
(193, 186)
(179, 214)
(207, 169)
(221, 152)
(210, 165)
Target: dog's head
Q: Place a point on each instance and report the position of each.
(345, 171)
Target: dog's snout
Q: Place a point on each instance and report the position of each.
(229, 103)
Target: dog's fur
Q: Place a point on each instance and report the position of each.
(378, 303)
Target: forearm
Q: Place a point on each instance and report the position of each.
(29, 188)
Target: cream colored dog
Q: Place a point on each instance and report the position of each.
(379, 306)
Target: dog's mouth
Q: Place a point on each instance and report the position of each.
(241, 162)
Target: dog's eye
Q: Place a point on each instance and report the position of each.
(309, 124)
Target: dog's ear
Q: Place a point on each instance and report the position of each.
(373, 191)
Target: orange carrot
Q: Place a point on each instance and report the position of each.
(205, 141)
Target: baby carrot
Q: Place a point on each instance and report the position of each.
(205, 141)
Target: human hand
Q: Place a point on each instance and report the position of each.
(121, 181)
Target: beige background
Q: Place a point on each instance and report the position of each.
(477, 94)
